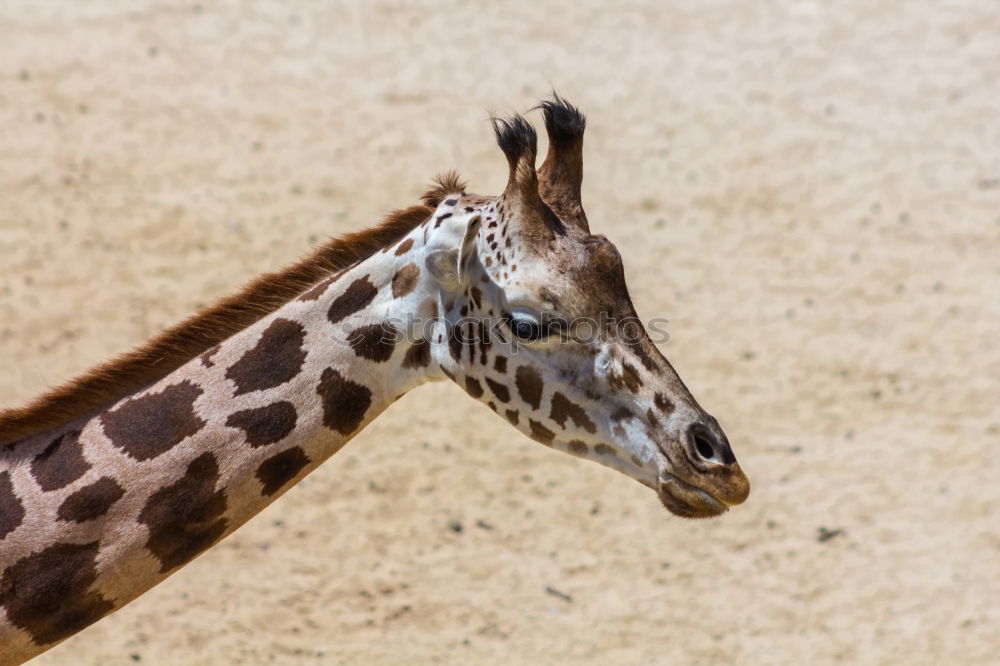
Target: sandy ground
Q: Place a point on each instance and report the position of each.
(809, 191)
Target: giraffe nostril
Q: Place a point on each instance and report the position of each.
(705, 444)
(704, 447)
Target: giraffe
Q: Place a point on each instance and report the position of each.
(111, 483)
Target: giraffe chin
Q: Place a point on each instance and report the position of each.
(687, 501)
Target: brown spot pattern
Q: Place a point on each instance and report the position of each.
(500, 364)
(474, 388)
(605, 450)
(11, 509)
(485, 342)
(404, 247)
(473, 332)
(418, 355)
(344, 402)
(133, 371)
(563, 408)
(61, 463)
(578, 447)
(374, 342)
(152, 424)
(405, 280)
(265, 425)
(456, 341)
(663, 403)
(639, 347)
(281, 468)
(358, 295)
(512, 416)
(47, 594)
(206, 358)
(621, 414)
(540, 432)
(91, 501)
(275, 359)
(529, 385)
(499, 390)
(629, 378)
(185, 518)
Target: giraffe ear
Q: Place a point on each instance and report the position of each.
(452, 254)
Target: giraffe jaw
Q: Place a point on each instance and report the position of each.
(687, 501)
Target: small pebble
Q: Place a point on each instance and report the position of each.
(556, 593)
(823, 534)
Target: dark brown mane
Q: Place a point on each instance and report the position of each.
(177, 345)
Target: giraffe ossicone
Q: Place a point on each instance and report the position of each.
(116, 480)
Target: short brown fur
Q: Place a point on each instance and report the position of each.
(171, 349)
(445, 184)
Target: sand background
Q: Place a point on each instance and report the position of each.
(809, 191)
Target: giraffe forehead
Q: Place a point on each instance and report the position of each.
(575, 275)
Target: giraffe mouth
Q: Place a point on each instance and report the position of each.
(687, 501)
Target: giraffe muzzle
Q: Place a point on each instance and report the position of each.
(685, 500)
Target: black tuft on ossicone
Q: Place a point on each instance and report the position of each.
(516, 138)
(563, 121)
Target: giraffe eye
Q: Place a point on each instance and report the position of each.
(526, 327)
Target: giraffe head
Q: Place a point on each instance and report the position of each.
(538, 324)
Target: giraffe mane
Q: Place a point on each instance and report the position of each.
(447, 183)
(180, 343)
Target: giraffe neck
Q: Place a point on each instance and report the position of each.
(94, 513)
